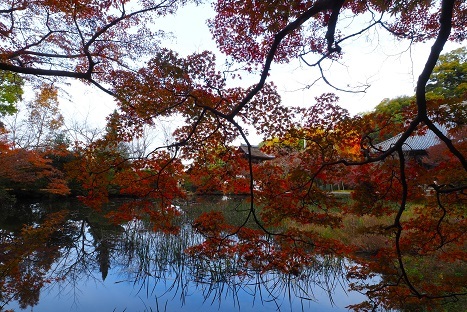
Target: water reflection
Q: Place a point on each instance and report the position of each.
(79, 261)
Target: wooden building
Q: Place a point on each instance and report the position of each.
(256, 154)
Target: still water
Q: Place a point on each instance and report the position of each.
(94, 265)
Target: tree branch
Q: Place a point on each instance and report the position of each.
(318, 7)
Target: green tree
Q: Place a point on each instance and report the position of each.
(449, 77)
(447, 87)
(11, 91)
(395, 107)
(446, 91)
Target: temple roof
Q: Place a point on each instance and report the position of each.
(415, 143)
(256, 153)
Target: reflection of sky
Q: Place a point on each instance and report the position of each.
(127, 289)
(174, 281)
(114, 295)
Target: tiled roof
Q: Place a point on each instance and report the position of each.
(255, 152)
(415, 142)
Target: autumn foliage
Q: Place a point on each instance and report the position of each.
(418, 202)
(27, 170)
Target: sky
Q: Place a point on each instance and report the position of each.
(390, 67)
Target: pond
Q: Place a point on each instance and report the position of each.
(90, 264)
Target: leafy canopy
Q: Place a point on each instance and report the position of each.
(115, 46)
(449, 77)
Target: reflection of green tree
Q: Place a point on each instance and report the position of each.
(104, 236)
(91, 249)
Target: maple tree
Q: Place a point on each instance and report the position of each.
(29, 171)
(27, 163)
(110, 44)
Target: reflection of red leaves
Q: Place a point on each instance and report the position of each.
(25, 261)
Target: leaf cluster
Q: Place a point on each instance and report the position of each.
(11, 91)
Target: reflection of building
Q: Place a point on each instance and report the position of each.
(256, 154)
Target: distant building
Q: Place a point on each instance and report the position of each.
(415, 145)
(256, 154)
